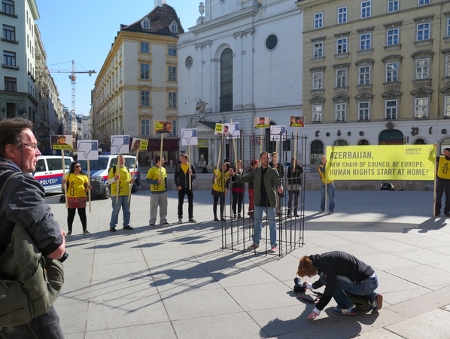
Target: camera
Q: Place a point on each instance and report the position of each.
(298, 286)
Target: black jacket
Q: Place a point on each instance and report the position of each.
(336, 263)
(181, 178)
(23, 202)
(296, 177)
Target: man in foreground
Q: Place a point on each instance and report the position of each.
(26, 205)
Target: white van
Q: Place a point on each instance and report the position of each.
(49, 172)
(99, 173)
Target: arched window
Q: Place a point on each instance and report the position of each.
(226, 80)
(340, 142)
(419, 141)
(363, 142)
(316, 151)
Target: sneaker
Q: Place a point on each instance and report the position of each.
(128, 228)
(377, 303)
(239, 216)
(86, 232)
(289, 216)
(69, 233)
(112, 229)
(223, 218)
(345, 311)
(166, 224)
(274, 249)
(215, 219)
(296, 215)
(151, 225)
(328, 213)
(192, 220)
(253, 247)
(180, 221)
(321, 211)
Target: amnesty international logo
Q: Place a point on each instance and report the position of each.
(381, 162)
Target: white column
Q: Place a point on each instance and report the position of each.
(247, 69)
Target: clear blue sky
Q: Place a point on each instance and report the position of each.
(83, 31)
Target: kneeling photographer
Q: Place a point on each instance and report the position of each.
(342, 274)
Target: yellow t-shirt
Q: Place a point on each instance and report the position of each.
(124, 181)
(323, 175)
(77, 184)
(154, 174)
(221, 180)
(443, 168)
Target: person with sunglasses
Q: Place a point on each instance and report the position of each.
(77, 186)
(26, 205)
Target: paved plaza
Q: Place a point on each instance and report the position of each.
(177, 282)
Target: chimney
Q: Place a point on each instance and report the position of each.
(158, 3)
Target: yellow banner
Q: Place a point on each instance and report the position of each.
(381, 162)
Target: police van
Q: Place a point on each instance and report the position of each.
(99, 173)
(49, 172)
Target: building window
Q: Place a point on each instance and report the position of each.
(393, 6)
(9, 33)
(8, 7)
(365, 41)
(226, 80)
(145, 98)
(423, 31)
(316, 113)
(365, 9)
(173, 27)
(363, 111)
(342, 15)
(271, 42)
(364, 75)
(340, 111)
(318, 49)
(188, 62)
(174, 129)
(421, 108)
(145, 24)
(10, 84)
(173, 50)
(392, 36)
(341, 45)
(318, 20)
(172, 100)
(145, 127)
(448, 27)
(9, 58)
(341, 78)
(422, 69)
(392, 72)
(447, 107)
(317, 80)
(172, 73)
(391, 110)
(145, 71)
(424, 2)
(447, 66)
(145, 47)
(316, 151)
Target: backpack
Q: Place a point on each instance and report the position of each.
(29, 282)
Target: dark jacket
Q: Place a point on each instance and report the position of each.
(335, 263)
(271, 182)
(23, 202)
(237, 186)
(279, 169)
(181, 178)
(296, 177)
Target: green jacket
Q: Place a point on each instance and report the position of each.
(272, 182)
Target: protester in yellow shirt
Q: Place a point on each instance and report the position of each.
(77, 186)
(330, 187)
(220, 188)
(123, 176)
(157, 178)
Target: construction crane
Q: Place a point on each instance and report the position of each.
(73, 79)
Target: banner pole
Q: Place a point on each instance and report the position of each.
(118, 181)
(64, 174)
(89, 183)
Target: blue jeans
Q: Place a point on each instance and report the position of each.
(270, 213)
(122, 202)
(330, 189)
(365, 288)
(44, 326)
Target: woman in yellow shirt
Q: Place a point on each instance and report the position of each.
(77, 185)
(220, 188)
